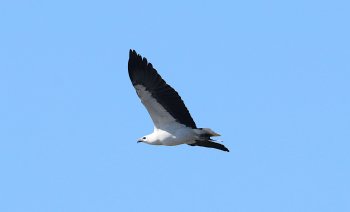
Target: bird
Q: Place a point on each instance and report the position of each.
(173, 124)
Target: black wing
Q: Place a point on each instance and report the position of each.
(159, 98)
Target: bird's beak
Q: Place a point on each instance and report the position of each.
(138, 141)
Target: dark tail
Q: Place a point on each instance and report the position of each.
(203, 139)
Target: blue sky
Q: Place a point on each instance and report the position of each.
(271, 76)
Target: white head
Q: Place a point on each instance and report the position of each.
(143, 139)
(149, 139)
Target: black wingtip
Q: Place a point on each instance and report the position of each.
(135, 57)
(136, 61)
(132, 53)
(223, 148)
(141, 72)
(211, 144)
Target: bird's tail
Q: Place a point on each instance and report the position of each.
(206, 132)
(203, 139)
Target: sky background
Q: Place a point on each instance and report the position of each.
(272, 77)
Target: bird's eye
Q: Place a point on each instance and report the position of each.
(144, 138)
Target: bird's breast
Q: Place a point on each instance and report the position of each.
(177, 137)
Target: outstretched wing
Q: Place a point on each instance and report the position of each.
(162, 102)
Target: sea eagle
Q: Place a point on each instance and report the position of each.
(173, 124)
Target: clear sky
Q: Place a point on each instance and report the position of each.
(273, 77)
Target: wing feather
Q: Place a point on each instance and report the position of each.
(162, 102)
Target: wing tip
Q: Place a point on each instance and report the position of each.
(132, 52)
(133, 55)
(136, 61)
(211, 144)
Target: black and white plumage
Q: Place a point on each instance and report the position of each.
(173, 124)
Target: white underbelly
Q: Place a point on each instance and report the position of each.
(180, 136)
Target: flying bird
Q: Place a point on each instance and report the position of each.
(173, 124)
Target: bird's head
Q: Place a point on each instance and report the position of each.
(143, 139)
(149, 139)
